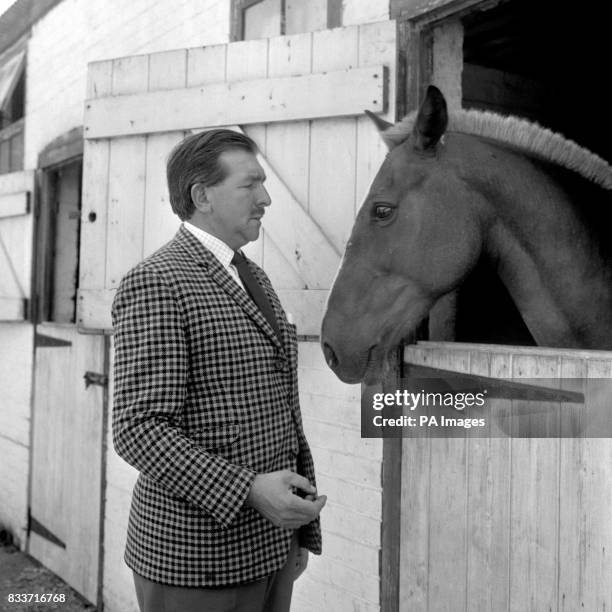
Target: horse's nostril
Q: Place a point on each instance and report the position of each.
(330, 356)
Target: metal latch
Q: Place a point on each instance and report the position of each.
(94, 378)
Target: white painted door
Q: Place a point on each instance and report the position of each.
(67, 447)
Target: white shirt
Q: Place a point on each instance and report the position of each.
(218, 248)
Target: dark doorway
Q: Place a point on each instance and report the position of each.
(545, 61)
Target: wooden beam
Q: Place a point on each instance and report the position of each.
(297, 236)
(63, 148)
(332, 94)
(13, 204)
(16, 181)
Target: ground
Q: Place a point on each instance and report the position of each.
(19, 573)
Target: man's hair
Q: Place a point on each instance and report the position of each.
(196, 160)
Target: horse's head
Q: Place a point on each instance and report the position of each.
(415, 238)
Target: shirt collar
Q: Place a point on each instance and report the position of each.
(215, 245)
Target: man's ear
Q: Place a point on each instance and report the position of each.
(199, 197)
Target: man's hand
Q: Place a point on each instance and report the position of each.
(273, 497)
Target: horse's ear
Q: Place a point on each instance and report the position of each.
(431, 120)
(382, 126)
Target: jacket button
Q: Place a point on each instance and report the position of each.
(279, 364)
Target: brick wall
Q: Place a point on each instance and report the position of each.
(103, 29)
(346, 576)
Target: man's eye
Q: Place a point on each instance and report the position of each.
(382, 212)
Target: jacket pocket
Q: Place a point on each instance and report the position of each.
(212, 438)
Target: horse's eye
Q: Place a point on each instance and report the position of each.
(382, 212)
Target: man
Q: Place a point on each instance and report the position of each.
(206, 402)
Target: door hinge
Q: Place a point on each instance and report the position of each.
(94, 378)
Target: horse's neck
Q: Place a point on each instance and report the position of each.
(547, 258)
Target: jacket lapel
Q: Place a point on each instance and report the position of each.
(210, 264)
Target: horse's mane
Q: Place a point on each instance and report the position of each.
(520, 133)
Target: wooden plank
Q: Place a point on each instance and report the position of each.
(160, 223)
(94, 214)
(573, 503)
(448, 61)
(130, 75)
(447, 509)
(94, 308)
(305, 307)
(15, 258)
(15, 182)
(518, 350)
(94, 205)
(535, 507)
(99, 79)
(298, 237)
(377, 45)
(340, 93)
(594, 467)
(334, 140)
(247, 60)
(126, 193)
(281, 273)
(415, 525)
(168, 70)
(488, 508)
(12, 204)
(288, 55)
(12, 309)
(206, 65)
(447, 520)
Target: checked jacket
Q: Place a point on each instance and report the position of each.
(205, 397)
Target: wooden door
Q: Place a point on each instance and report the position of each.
(67, 448)
(15, 244)
(301, 98)
(503, 523)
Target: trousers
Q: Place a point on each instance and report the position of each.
(270, 594)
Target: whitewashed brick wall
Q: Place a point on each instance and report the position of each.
(118, 586)
(346, 577)
(16, 352)
(101, 29)
(364, 11)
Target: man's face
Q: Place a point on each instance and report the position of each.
(237, 204)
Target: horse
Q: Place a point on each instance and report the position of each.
(456, 189)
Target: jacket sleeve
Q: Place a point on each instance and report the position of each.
(150, 381)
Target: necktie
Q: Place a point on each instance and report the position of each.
(255, 291)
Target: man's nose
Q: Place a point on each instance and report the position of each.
(263, 197)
